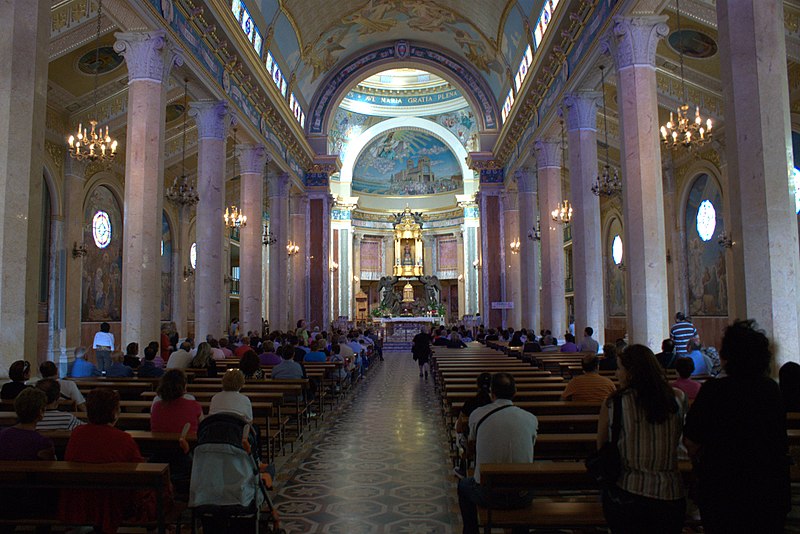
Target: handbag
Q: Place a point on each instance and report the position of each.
(605, 464)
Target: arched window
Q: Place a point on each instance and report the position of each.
(616, 249)
(615, 278)
(193, 256)
(707, 277)
(102, 265)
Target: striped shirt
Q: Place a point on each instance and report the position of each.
(681, 332)
(649, 451)
(57, 420)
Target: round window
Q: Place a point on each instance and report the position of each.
(706, 220)
(101, 229)
(616, 249)
(193, 256)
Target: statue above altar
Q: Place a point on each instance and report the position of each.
(408, 248)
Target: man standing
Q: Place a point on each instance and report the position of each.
(681, 332)
(501, 433)
(589, 344)
(590, 386)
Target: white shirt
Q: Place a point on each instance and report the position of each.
(70, 390)
(231, 402)
(179, 359)
(103, 339)
(217, 354)
(504, 437)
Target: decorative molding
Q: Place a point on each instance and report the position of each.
(252, 158)
(526, 180)
(212, 117)
(278, 186)
(482, 161)
(148, 55)
(581, 110)
(548, 154)
(633, 40)
(56, 153)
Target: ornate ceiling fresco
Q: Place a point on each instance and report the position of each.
(312, 36)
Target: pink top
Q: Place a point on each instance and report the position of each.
(688, 386)
(171, 416)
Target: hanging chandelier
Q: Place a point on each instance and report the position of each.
(514, 246)
(682, 130)
(93, 144)
(234, 218)
(563, 213)
(292, 248)
(182, 192)
(607, 183)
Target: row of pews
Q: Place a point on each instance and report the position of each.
(566, 496)
(283, 409)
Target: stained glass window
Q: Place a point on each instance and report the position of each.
(101, 229)
(706, 220)
(246, 22)
(276, 73)
(193, 256)
(616, 249)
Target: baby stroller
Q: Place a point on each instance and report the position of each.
(227, 493)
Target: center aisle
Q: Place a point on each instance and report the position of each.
(378, 464)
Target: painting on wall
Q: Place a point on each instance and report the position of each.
(706, 274)
(371, 256)
(102, 265)
(407, 162)
(615, 277)
(166, 269)
(447, 254)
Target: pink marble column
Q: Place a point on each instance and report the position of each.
(298, 205)
(251, 164)
(278, 190)
(633, 44)
(319, 203)
(213, 121)
(587, 253)
(511, 266)
(548, 164)
(527, 198)
(763, 222)
(150, 58)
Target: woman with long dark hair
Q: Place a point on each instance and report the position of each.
(649, 494)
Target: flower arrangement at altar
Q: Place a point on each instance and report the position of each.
(381, 311)
(436, 310)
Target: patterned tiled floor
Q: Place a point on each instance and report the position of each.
(378, 465)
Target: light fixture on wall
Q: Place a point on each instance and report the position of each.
(182, 192)
(724, 240)
(356, 279)
(187, 273)
(621, 266)
(535, 233)
(234, 218)
(333, 266)
(292, 248)
(94, 144)
(607, 183)
(514, 246)
(460, 277)
(681, 130)
(562, 214)
(79, 251)
(476, 264)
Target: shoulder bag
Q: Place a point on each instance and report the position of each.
(605, 464)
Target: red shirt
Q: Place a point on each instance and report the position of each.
(99, 444)
(171, 416)
(240, 351)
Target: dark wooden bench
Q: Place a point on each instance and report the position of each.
(33, 475)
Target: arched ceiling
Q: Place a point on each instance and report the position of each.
(311, 37)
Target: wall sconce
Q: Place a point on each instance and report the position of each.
(334, 266)
(515, 246)
(187, 273)
(460, 277)
(356, 279)
(476, 264)
(292, 248)
(79, 251)
(535, 233)
(724, 240)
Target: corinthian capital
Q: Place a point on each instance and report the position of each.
(634, 39)
(212, 117)
(148, 55)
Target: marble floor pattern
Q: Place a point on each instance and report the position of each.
(377, 465)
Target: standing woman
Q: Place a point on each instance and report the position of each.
(649, 494)
(103, 346)
(421, 351)
(736, 436)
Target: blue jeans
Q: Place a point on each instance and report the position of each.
(471, 495)
(103, 359)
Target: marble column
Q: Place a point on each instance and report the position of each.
(251, 165)
(462, 309)
(298, 205)
(587, 251)
(213, 121)
(527, 199)
(511, 229)
(553, 303)
(428, 265)
(150, 58)
(74, 182)
(493, 243)
(472, 273)
(180, 261)
(278, 190)
(633, 45)
(56, 295)
(23, 98)
(319, 276)
(758, 138)
(357, 237)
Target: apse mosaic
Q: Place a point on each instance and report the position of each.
(102, 265)
(407, 162)
(707, 277)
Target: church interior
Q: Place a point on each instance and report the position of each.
(393, 165)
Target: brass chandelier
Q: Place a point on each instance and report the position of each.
(182, 192)
(607, 183)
